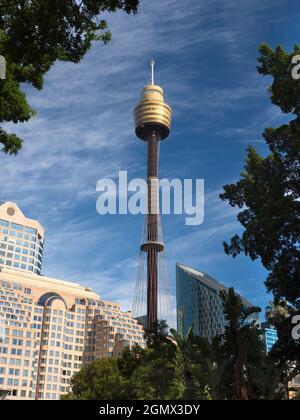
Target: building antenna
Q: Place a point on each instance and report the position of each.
(152, 64)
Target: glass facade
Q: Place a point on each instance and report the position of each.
(21, 246)
(270, 336)
(198, 303)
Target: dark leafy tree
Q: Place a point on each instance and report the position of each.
(140, 373)
(158, 375)
(268, 194)
(269, 189)
(240, 346)
(189, 356)
(36, 33)
(101, 380)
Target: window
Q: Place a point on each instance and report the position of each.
(16, 226)
(30, 230)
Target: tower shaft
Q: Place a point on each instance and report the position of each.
(152, 229)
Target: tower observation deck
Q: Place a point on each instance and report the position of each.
(152, 125)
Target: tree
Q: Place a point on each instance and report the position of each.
(36, 33)
(233, 366)
(268, 193)
(269, 188)
(157, 374)
(240, 345)
(101, 380)
(139, 374)
(189, 356)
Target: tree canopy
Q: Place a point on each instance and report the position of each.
(268, 194)
(269, 189)
(36, 33)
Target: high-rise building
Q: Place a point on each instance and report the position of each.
(50, 329)
(199, 304)
(269, 335)
(21, 240)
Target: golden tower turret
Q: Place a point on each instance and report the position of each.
(152, 113)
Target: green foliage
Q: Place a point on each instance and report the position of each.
(269, 188)
(99, 380)
(143, 374)
(241, 346)
(268, 195)
(158, 373)
(285, 91)
(189, 358)
(36, 33)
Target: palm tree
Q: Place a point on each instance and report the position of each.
(240, 343)
(203, 375)
(189, 355)
(210, 373)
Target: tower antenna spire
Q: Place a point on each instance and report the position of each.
(152, 64)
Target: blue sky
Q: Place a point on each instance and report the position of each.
(206, 55)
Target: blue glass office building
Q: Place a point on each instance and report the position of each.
(198, 303)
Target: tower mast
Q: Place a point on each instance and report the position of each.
(152, 124)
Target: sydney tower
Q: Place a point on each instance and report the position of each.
(152, 125)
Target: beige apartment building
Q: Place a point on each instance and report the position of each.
(49, 328)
